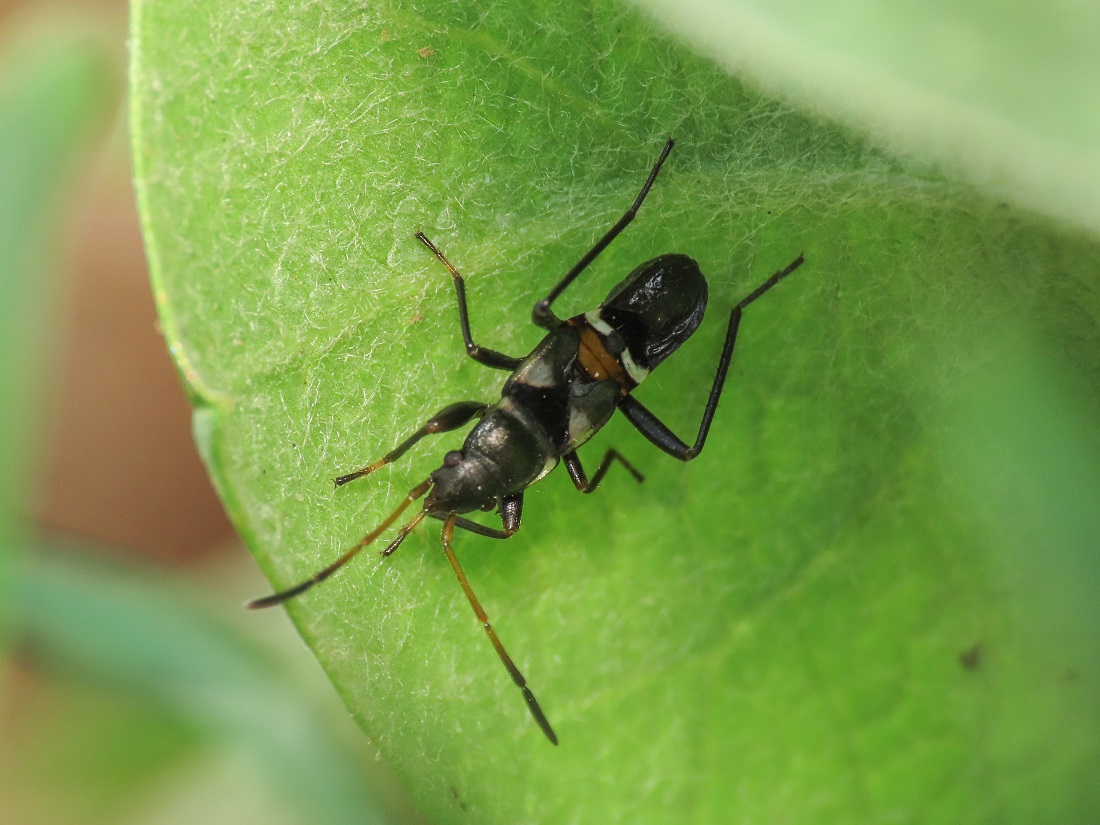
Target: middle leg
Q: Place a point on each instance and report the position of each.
(580, 480)
(483, 355)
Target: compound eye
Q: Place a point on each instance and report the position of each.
(453, 458)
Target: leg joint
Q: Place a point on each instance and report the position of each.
(541, 311)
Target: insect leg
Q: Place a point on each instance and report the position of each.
(655, 430)
(511, 510)
(483, 355)
(402, 533)
(509, 665)
(449, 418)
(542, 315)
(580, 480)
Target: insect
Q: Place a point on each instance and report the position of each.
(555, 400)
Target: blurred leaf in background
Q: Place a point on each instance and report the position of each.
(811, 623)
(56, 90)
(1003, 95)
(186, 701)
(1024, 441)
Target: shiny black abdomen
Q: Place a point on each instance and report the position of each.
(657, 307)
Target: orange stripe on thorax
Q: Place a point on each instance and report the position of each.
(597, 363)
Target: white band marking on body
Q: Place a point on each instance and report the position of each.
(637, 372)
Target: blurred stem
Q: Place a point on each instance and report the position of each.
(139, 636)
(56, 90)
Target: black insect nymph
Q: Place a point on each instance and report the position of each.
(553, 402)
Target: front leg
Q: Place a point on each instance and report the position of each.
(449, 418)
(511, 512)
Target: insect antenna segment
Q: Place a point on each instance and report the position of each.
(509, 665)
(318, 577)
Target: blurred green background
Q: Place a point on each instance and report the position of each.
(134, 689)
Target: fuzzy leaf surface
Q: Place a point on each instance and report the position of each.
(810, 623)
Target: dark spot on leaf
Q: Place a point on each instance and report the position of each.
(458, 799)
(971, 658)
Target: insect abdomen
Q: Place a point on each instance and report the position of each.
(655, 309)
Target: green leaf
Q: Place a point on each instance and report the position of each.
(1003, 95)
(808, 623)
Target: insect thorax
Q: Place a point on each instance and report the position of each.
(562, 390)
